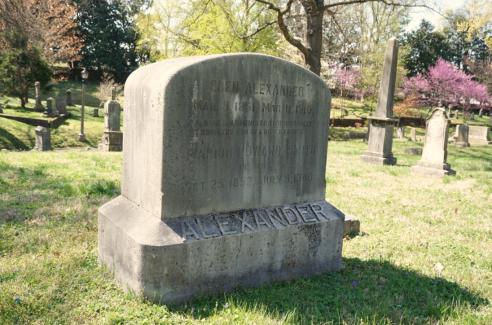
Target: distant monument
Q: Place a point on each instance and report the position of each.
(461, 135)
(38, 106)
(43, 138)
(112, 139)
(51, 110)
(382, 123)
(68, 95)
(478, 135)
(224, 163)
(435, 152)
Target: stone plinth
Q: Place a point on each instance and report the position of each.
(111, 141)
(223, 178)
(43, 138)
(461, 135)
(478, 135)
(434, 155)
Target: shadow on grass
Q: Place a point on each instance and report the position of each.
(10, 141)
(365, 291)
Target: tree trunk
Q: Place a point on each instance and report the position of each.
(23, 101)
(314, 34)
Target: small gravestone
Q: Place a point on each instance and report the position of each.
(223, 178)
(68, 97)
(95, 112)
(43, 138)
(49, 107)
(413, 134)
(461, 135)
(61, 105)
(38, 106)
(400, 132)
(435, 152)
(112, 139)
(478, 135)
(381, 124)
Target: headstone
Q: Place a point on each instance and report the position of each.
(112, 139)
(223, 178)
(61, 105)
(413, 151)
(413, 134)
(400, 132)
(95, 112)
(381, 124)
(461, 135)
(38, 106)
(435, 152)
(68, 100)
(49, 107)
(43, 138)
(478, 135)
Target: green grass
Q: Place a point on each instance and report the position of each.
(425, 254)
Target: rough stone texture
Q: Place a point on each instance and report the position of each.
(478, 135)
(461, 135)
(434, 155)
(43, 138)
(223, 178)
(380, 141)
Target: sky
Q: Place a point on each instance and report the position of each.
(417, 14)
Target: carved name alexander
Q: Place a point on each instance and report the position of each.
(244, 221)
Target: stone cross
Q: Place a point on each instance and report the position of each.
(38, 106)
(381, 124)
(224, 164)
(43, 138)
(461, 135)
(435, 152)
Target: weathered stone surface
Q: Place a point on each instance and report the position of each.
(381, 125)
(351, 226)
(112, 139)
(43, 138)
(434, 155)
(223, 178)
(461, 135)
(51, 107)
(478, 135)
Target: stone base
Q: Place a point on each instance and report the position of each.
(438, 171)
(477, 142)
(111, 141)
(378, 159)
(188, 257)
(462, 144)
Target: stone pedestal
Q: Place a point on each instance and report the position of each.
(380, 142)
(38, 106)
(43, 138)
(435, 153)
(111, 141)
(461, 136)
(221, 189)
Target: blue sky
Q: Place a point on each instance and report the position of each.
(417, 14)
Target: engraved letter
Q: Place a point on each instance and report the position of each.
(224, 223)
(188, 231)
(318, 211)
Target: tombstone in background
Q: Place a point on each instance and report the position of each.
(50, 107)
(95, 112)
(68, 97)
(343, 112)
(43, 138)
(478, 135)
(435, 152)
(413, 134)
(381, 124)
(38, 106)
(223, 178)
(61, 105)
(112, 139)
(461, 135)
(400, 132)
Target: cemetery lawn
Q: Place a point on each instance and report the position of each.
(424, 256)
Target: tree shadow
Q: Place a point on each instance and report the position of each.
(365, 291)
(10, 141)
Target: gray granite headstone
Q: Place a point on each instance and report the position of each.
(223, 186)
(68, 97)
(112, 139)
(461, 135)
(43, 138)
(382, 123)
(38, 106)
(61, 105)
(435, 152)
(478, 135)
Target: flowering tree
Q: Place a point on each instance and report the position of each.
(446, 84)
(347, 80)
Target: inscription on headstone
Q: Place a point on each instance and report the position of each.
(224, 178)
